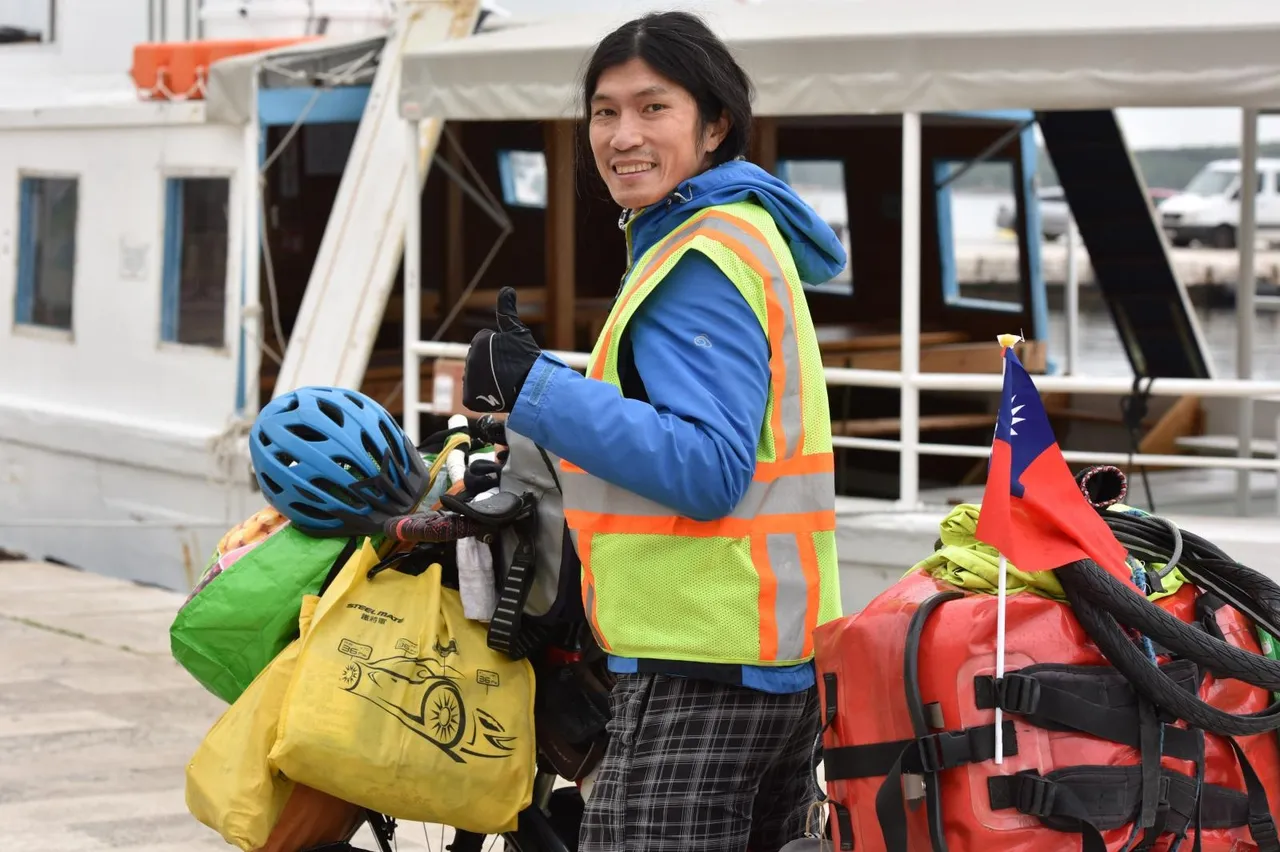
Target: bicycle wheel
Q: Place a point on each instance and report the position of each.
(535, 831)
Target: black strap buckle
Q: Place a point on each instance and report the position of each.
(1263, 829)
(1034, 796)
(944, 750)
(1016, 693)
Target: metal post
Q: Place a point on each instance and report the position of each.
(1072, 298)
(1246, 290)
(909, 413)
(252, 319)
(412, 279)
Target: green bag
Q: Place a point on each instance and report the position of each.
(245, 608)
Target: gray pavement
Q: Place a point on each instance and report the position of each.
(97, 722)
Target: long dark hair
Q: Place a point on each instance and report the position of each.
(682, 48)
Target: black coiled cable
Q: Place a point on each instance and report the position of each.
(1154, 539)
(1104, 606)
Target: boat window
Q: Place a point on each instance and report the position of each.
(524, 178)
(979, 249)
(821, 184)
(47, 251)
(194, 291)
(26, 21)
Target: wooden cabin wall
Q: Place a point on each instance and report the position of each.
(873, 187)
(874, 237)
(520, 261)
(873, 183)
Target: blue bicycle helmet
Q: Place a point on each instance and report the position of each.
(334, 462)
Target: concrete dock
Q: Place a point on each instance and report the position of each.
(997, 263)
(97, 722)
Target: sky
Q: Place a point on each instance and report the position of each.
(1143, 128)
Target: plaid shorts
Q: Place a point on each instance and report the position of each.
(694, 764)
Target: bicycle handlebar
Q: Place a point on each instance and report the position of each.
(431, 527)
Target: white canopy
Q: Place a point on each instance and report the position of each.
(817, 57)
(229, 92)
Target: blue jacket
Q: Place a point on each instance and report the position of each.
(704, 362)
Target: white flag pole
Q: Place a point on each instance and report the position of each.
(1000, 657)
(1006, 341)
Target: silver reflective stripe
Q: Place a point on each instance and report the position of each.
(589, 605)
(793, 594)
(790, 403)
(787, 495)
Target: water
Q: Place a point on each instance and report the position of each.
(1102, 355)
(974, 218)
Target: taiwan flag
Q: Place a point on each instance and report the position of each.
(1033, 511)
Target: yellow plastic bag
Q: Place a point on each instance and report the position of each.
(399, 705)
(230, 786)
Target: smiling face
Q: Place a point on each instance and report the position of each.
(646, 134)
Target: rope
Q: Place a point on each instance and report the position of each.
(1133, 409)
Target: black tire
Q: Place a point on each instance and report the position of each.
(1131, 609)
(1080, 581)
(1224, 237)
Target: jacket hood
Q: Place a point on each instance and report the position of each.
(817, 251)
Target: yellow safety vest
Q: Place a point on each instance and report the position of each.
(749, 588)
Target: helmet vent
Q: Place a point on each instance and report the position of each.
(337, 492)
(349, 466)
(270, 483)
(310, 495)
(285, 459)
(310, 511)
(331, 411)
(356, 400)
(306, 432)
(372, 449)
(396, 444)
(291, 404)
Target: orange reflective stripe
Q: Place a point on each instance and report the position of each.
(809, 564)
(606, 344)
(766, 471)
(768, 597)
(795, 466)
(800, 524)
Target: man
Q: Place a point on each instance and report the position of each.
(698, 474)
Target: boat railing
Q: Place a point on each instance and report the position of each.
(909, 378)
(911, 448)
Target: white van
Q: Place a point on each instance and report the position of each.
(1207, 211)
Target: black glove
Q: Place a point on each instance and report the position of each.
(498, 362)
